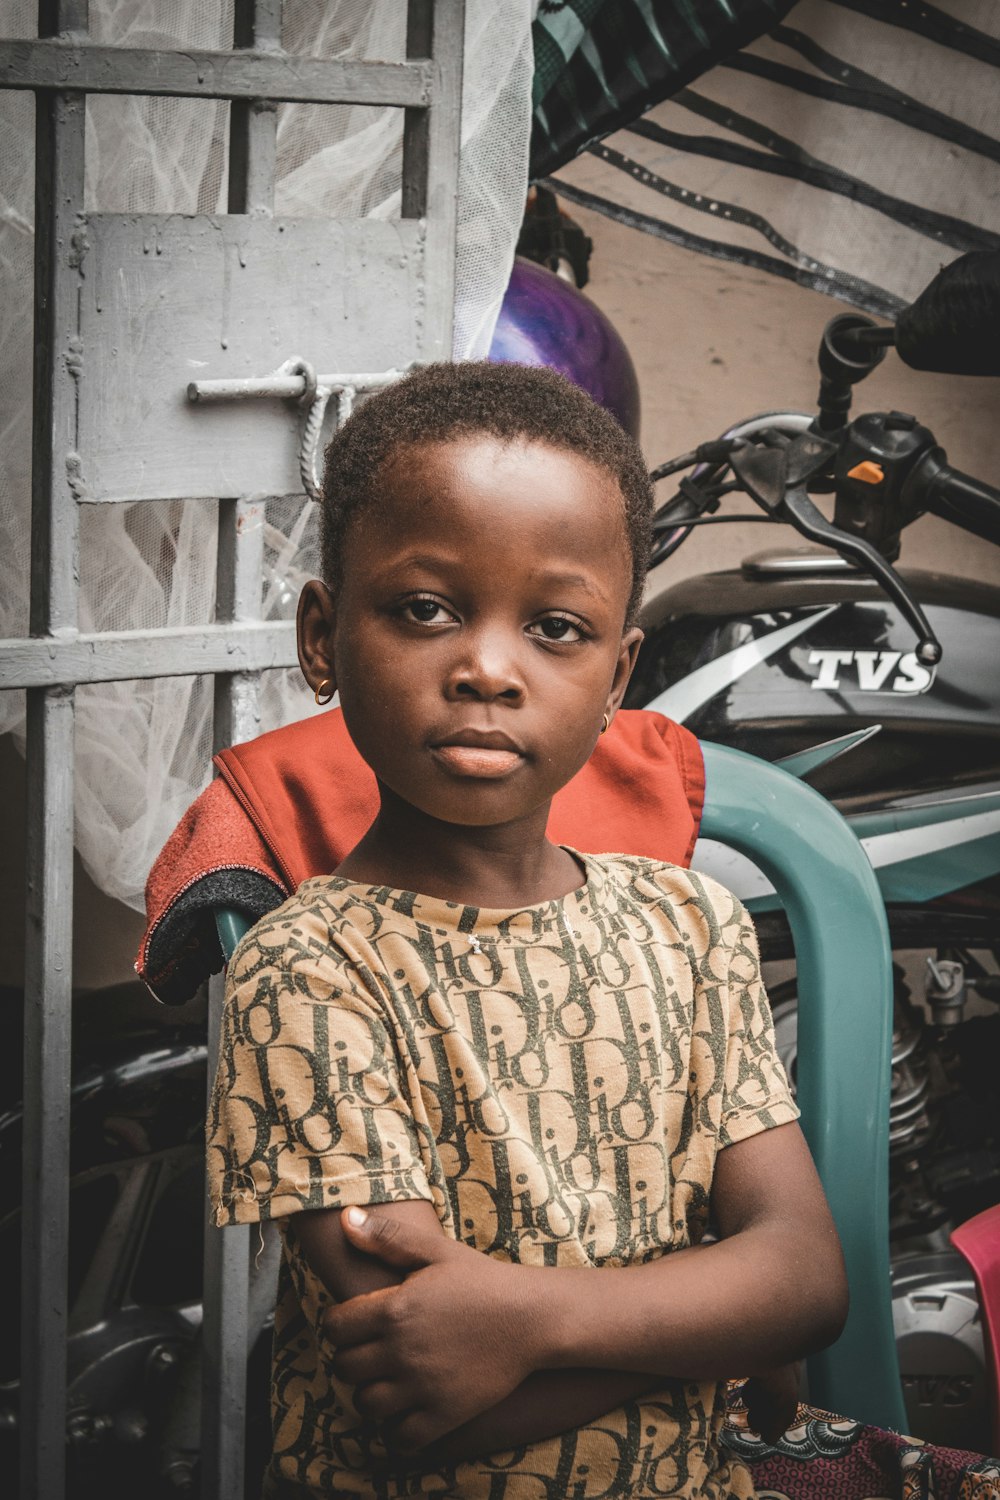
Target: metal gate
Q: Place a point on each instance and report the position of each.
(120, 316)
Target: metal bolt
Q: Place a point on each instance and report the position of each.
(89, 1427)
(946, 990)
(131, 1427)
(79, 1427)
(178, 1477)
(162, 1359)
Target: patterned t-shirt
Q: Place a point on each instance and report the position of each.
(555, 1080)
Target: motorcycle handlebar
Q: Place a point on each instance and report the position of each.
(885, 469)
(959, 498)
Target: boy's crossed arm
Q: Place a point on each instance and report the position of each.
(441, 1339)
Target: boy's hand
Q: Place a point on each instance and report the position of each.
(451, 1341)
(772, 1401)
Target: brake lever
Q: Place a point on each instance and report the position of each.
(777, 477)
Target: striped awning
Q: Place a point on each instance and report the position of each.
(852, 146)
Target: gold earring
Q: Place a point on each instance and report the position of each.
(322, 702)
(606, 725)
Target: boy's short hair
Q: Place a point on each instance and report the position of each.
(507, 401)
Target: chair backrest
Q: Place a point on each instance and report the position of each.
(844, 963)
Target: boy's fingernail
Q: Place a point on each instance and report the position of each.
(357, 1216)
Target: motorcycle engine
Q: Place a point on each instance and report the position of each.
(939, 1338)
(944, 1167)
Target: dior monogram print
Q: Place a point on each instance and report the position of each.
(556, 1081)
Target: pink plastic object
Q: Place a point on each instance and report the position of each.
(978, 1240)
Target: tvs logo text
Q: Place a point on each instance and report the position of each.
(870, 671)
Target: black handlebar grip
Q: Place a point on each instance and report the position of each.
(957, 497)
(954, 325)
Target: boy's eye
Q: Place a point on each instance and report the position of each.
(556, 628)
(426, 610)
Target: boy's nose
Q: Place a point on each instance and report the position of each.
(486, 670)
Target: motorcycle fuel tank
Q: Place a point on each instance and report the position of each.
(793, 649)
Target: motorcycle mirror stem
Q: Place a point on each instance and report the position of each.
(846, 355)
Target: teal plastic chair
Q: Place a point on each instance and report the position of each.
(843, 956)
(844, 1070)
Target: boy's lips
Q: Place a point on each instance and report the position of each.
(478, 753)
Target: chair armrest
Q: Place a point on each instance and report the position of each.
(231, 926)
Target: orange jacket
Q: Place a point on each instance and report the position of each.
(292, 803)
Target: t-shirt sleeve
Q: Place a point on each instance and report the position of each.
(756, 1095)
(309, 1108)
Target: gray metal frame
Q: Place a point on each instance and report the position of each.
(62, 67)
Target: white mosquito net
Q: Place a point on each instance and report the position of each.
(143, 748)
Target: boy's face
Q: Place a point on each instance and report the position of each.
(477, 640)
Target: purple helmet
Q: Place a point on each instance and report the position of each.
(546, 321)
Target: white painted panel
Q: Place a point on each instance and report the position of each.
(167, 300)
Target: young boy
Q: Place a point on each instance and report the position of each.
(493, 1088)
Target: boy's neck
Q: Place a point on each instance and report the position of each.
(503, 866)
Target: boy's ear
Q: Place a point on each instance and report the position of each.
(628, 652)
(315, 625)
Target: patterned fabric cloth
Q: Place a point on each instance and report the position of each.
(601, 63)
(825, 1457)
(556, 1081)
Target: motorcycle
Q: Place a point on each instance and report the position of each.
(808, 658)
(770, 658)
